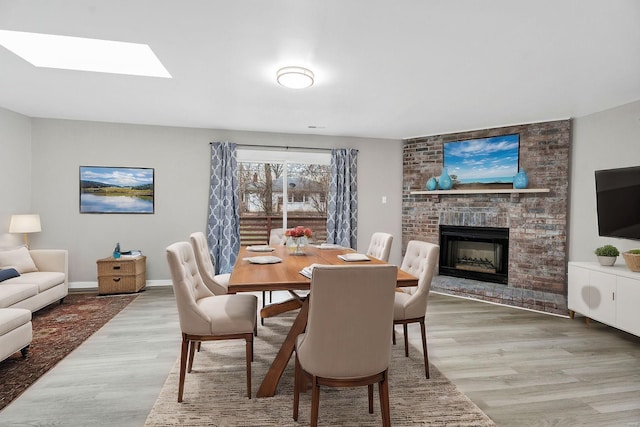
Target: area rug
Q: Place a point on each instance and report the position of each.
(57, 330)
(215, 392)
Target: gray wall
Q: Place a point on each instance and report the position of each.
(180, 157)
(605, 140)
(15, 172)
(54, 149)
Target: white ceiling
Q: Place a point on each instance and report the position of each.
(387, 69)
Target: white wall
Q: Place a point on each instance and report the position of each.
(605, 140)
(15, 172)
(180, 157)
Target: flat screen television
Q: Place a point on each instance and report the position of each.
(618, 202)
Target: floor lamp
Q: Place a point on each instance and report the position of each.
(28, 223)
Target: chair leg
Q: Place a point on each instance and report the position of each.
(394, 334)
(370, 393)
(183, 366)
(406, 340)
(383, 390)
(296, 389)
(192, 352)
(264, 294)
(424, 348)
(315, 401)
(249, 339)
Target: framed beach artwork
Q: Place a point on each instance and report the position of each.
(482, 162)
(117, 190)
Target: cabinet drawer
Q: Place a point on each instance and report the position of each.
(121, 284)
(121, 267)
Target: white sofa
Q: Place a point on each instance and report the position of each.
(34, 290)
(41, 279)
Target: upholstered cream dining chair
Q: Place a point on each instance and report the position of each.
(217, 283)
(277, 237)
(380, 246)
(420, 260)
(205, 316)
(347, 339)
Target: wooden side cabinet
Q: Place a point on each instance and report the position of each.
(122, 275)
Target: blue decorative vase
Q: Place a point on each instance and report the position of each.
(520, 180)
(445, 182)
(432, 184)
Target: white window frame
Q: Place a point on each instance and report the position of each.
(283, 156)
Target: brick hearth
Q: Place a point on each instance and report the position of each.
(537, 222)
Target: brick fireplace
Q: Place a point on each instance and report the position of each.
(536, 222)
(479, 253)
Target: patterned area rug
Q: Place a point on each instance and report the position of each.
(57, 330)
(215, 393)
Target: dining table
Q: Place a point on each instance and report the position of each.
(249, 274)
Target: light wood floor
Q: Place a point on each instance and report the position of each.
(522, 368)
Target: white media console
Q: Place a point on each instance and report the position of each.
(610, 295)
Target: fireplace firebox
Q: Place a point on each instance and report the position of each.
(480, 253)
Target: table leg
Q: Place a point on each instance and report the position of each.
(279, 364)
(280, 307)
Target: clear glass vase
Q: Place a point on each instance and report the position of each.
(297, 245)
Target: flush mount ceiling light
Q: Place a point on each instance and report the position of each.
(295, 77)
(77, 53)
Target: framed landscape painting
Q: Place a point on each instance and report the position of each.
(116, 190)
(491, 161)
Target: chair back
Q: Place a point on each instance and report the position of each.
(420, 260)
(349, 327)
(188, 288)
(206, 264)
(277, 237)
(380, 246)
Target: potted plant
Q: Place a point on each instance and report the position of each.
(632, 259)
(607, 255)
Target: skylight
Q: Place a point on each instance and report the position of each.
(77, 53)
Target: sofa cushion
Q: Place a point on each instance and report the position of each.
(12, 294)
(8, 273)
(42, 279)
(19, 258)
(12, 318)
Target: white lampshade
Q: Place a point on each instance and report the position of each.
(295, 77)
(28, 223)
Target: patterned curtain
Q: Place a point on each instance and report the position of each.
(223, 223)
(342, 209)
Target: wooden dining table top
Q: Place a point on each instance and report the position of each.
(285, 275)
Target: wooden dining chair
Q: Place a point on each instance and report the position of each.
(218, 284)
(347, 338)
(207, 317)
(380, 246)
(420, 260)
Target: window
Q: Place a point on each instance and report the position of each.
(268, 178)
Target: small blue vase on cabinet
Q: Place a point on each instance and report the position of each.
(520, 180)
(445, 182)
(432, 184)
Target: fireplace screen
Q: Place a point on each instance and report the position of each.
(479, 253)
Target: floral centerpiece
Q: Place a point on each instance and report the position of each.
(297, 239)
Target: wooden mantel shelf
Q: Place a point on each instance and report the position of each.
(513, 192)
(488, 191)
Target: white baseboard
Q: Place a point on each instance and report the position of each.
(93, 286)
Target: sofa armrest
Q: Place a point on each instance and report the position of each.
(51, 260)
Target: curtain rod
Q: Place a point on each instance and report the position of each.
(286, 147)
